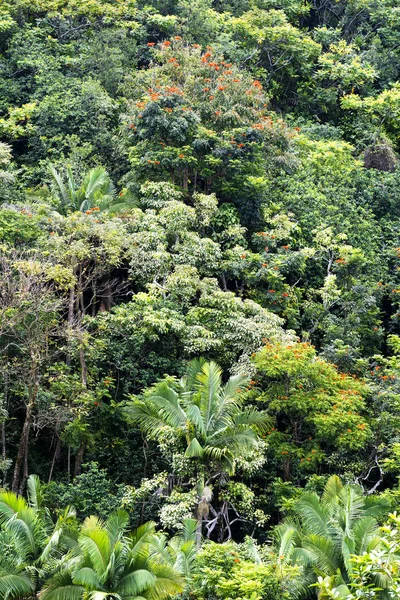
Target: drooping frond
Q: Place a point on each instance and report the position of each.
(61, 587)
(138, 413)
(87, 578)
(324, 553)
(365, 532)
(260, 420)
(194, 416)
(194, 449)
(11, 504)
(193, 369)
(234, 386)
(135, 582)
(93, 181)
(313, 514)
(15, 585)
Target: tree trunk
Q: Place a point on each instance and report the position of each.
(71, 304)
(69, 463)
(23, 448)
(79, 459)
(185, 178)
(199, 531)
(55, 457)
(3, 426)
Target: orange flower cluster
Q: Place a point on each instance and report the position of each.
(173, 89)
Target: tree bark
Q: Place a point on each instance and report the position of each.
(79, 459)
(18, 484)
(55, 457)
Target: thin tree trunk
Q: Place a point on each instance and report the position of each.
(3, 424)
(23, 448)
(185, 178)
(71, 305)
(55, 457)
(79, 459)
(69, 463)
(24, 440)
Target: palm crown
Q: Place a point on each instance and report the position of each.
(108, 564)
(29, 541)
(329, 529)
(205, 414)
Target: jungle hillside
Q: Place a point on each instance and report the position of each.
(199, 299)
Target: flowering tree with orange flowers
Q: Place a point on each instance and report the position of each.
(201, 122)
(320, 413)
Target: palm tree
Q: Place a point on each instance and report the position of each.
(206, 415)
(179, 551)
(208, 420)
(108, 564)
(95, 192)
(328, 530)
(30, 543)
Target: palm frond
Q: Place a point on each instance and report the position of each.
(116, 525)
(208, 383)
(135, 582)
(35, 492)
(194, 449)
(365, 530)
(64, 196)
(15, 585)
(324, 553)
(332, 489)
(87, 578)
(313, 514)
(260, 420)
(61, 587)
(93, 181)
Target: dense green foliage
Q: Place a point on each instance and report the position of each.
(199, 299)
